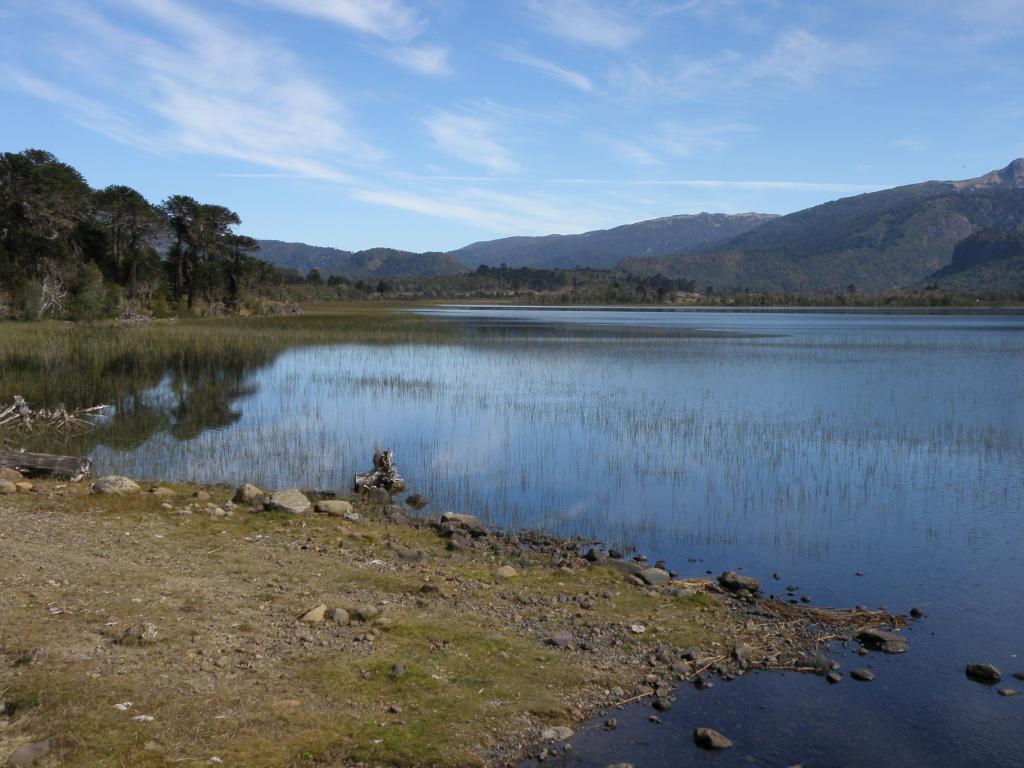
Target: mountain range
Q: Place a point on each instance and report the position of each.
(895, 238)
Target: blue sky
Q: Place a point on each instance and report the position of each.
(430, 125)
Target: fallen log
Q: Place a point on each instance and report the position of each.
(383, 475)
(73, 468)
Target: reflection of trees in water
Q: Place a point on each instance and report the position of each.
(181, 392)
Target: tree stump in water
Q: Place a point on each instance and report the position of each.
(383, 475)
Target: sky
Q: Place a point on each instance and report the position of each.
(430, 125)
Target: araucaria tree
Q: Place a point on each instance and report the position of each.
(66, 249)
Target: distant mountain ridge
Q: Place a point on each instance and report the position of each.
(360, 265)
(876, 241)
(605, 248)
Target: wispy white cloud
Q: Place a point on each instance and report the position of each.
(196, 86)
(390, 20)
(798, 59)
(724, 184)
(567, 76)
(674, 139)
(471, 138)
(586, 22)
(911, 143)
(424, 59)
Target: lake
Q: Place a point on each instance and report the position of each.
(818, 445)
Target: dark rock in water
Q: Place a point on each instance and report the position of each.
(1018, 675)
(776, 576)
(611, 724)
(662, 704)
(916, 613)
(805, 598)
(864, 675)
(708, 738)
(615, 554)
(1008, 692)
(880, 640)
(594, 555)
(661, 564)
(734, 582)
(640, 558)
(620, 765)
(983, 673)
(834, 677)
(654, 577)
(416, 501)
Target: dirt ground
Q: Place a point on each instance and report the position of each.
(159, 629)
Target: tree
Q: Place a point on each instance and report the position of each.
(314, 277)
(181, 212)
(130, 221)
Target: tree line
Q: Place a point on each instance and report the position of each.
(67, 250)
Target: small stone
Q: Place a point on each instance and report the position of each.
(366, 612)
(506, 572)
(11, 475)
(201, 496)
(115, 484)
(137, 634)
(248, 494)
(314, 615)
(560, 640)
(880, 640)
(416, 501)
(708, 738)
(620, 765)
(864, 675)
(1008, 692)
(734, 582)
(6, 486)
(159, 490)
(611, 724)
(916, 613)
(333, 507)
(654, 577)
(291, 500)
(398, 670)
(394, 709)
(556, 733)
(1018, 675)
(834, 677)
(662, 704)
(594, 555)
(339, 616)
(983, 673)
(468, 523)
(28, 754)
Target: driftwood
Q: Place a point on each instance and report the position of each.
(19, 415)
(383, 475)
(71, 467)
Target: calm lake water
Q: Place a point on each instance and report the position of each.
(817, 445)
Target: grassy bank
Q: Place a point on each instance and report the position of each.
(229, 672)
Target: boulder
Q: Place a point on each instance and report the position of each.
(366, 612)
(467, 523)
(864, 675)
(595, 555)
(6, 486)
(556, 733)
(248, 494)
(560, 640)
(734, 582)
(334, 507)
(314, 615)
(983, 673)
(625, 567)
(24, 486)
(709, 738)
(339, 616)
(292, 500)
(115, 484)
(880, 640)
(416, 501)
(506, 572)
(161, 491)
(7, 473)
(654, 577)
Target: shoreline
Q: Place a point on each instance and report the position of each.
(361, 635)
